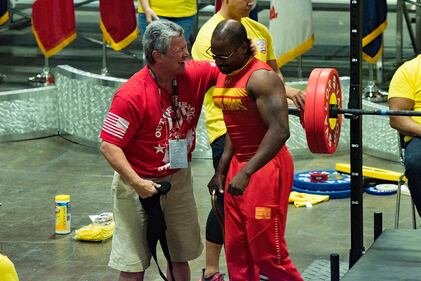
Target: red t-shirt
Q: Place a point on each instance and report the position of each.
(141, 122)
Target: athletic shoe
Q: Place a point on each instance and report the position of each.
(215, 277)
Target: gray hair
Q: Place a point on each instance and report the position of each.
(158, 37)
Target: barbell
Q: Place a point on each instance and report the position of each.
(322, 114)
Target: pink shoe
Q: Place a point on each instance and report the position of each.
(215, 277)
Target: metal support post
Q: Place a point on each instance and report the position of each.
(300, 68)
(379, 68)
(378, 224)
(399, 26)
(104, 70)
(45, 78)
(355, 101)
(334, 267)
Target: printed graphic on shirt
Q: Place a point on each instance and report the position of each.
(261, 45)
(168, 128)
(115, 125)
(160, 149)
(229, 99)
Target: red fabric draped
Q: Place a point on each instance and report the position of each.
(53, 24)
(118, 22)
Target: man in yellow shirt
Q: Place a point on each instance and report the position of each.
(262, 39)
(182, 12)
(405, 94)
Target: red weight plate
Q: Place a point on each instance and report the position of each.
(321, 111)
(309, 108)
(336, 124)
(327, 130)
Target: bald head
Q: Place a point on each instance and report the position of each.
(230, 46)
(230, 32)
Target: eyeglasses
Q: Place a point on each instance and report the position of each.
(221, 57)
(180, 50)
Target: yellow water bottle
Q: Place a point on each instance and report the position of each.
(63, 214)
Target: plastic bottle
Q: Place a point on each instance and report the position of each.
(63, 214)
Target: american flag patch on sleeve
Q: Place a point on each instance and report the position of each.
(115, 125)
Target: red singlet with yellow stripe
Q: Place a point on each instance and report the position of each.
(244, 124)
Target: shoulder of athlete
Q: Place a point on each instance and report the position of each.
(263, 82)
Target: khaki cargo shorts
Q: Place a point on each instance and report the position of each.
(130, 252)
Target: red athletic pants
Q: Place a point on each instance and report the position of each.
(255, 223)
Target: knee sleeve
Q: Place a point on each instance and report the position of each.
(214, 231)
(217, 150)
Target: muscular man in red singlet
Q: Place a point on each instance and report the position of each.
(256, 166)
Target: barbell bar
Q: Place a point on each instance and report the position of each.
(335, 110)
(322, 114)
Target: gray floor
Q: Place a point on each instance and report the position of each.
(33, 171)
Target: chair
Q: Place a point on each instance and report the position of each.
(401, 181)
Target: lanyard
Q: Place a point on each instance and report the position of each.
(174, 99)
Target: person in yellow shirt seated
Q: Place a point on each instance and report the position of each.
(262, 39)
(405, 94)
(7, 269)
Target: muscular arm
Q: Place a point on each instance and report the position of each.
(118, 161)
(404, 124)
(269, 92)
(225, 160)
(297, 97)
